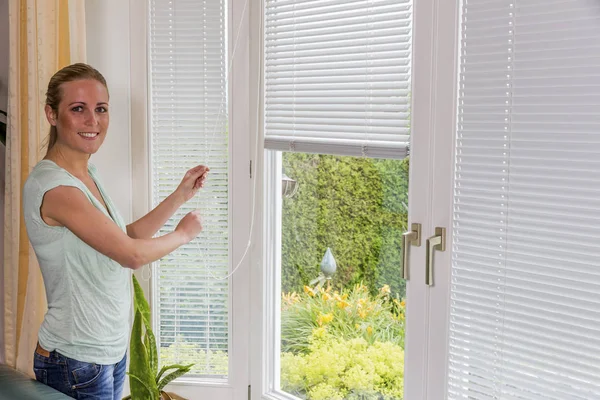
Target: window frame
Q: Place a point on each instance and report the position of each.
(425, 67)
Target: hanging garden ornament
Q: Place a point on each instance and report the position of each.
(328, 265)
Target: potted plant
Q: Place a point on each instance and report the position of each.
(145, 380)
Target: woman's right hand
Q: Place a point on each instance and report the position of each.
(190, 225)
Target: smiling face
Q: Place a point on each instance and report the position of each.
(82, 117)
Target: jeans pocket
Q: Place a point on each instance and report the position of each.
(85, 374)
(41, 375)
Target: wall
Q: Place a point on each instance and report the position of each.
(108, 50)
(107, 29)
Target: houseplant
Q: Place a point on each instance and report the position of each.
(145, 380)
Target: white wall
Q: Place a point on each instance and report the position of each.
(107, 29)
(108, 50)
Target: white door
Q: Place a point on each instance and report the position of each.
(514, 308)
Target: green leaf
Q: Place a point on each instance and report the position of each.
(143, 384)
(150, 343)
(168, 367)
(141, 377)
(174, 375)
(140, 302)
(141, 305)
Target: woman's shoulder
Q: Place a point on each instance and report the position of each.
(46, 173)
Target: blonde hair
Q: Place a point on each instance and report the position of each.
(73, 72)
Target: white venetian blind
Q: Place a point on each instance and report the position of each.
(525, 291)
(188, 81)
(337, 76)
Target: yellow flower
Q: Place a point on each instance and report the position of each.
(385, 289)
(403, 303)
(357, 326)
(326, 296)
(325, 319)
(345, 296)
(362, 314)
(342, 304)
(369, 330)
(309, 291)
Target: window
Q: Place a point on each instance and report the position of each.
(337, 126)
(189, 114)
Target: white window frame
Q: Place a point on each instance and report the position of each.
(429, 153)
(240, 189)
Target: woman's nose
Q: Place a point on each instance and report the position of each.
(91, 118)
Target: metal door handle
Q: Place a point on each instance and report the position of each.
(412, 237)
(437, 242)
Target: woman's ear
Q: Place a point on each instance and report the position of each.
(50, 115)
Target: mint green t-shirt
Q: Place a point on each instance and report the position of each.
(88, 293)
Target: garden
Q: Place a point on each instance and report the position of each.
(342, 334)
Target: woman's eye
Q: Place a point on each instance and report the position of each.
(77, 109)
(101, 109)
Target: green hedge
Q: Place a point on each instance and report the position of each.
(355, 206)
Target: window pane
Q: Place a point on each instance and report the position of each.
(343, 298)
(188, 82)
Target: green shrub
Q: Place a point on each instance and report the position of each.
(336, 368)
(355, 206)
(345, 314)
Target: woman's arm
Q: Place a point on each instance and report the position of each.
(149, 224)
(69, 207)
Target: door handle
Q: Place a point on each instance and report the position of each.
(412, 237)
(437, 242)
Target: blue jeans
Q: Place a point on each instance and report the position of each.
(80, 380)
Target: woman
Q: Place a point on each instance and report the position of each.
(85, 250)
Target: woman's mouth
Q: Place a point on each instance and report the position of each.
(88, 135)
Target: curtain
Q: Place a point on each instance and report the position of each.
(45, 35)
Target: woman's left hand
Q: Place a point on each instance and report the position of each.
(192, 182)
